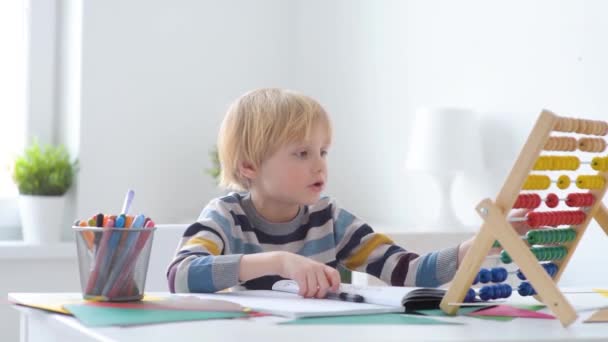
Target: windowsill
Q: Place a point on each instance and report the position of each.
(12, 247)
(10, 250)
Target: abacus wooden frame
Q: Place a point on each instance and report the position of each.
(496, 227)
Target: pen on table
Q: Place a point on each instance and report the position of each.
(347, 297)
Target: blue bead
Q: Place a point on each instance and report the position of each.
(485, 276)
(485, 293)
(470, 297)
(476, 280)
(524, 289)
(508, 290)
(551, 268)
(520, 275)
(499, 274)
(497, 292)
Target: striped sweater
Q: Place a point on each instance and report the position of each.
(208, 256)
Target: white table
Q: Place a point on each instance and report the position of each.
(37, 325)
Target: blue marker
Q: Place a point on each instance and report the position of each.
(121, 260)
(107, 261)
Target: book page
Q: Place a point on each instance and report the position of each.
(293, 306)
(380, 295)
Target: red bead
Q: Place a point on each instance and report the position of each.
(555, 218)
(580, 200)
(552, 200)
(527, 201)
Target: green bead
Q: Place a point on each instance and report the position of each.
(505, 258)
(532, 237)
(496, 244)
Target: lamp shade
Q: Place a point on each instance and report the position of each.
(444, 140)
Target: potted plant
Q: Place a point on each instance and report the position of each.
(43, 176)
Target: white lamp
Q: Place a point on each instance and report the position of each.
(445, 142)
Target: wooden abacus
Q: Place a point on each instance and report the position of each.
(497, 226)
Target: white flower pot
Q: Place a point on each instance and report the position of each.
(42, 218)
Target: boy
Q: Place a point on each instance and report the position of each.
(272, 146)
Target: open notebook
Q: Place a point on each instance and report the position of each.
(406, 298)
(281, 302)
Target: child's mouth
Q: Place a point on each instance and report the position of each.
(318, 186)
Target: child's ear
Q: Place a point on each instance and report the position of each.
(247, 170)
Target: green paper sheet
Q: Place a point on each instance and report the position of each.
(368, 319)
(462, 311)
(104, 316)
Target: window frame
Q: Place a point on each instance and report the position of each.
(41, 20)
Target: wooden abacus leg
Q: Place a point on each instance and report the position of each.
(601, 217)
(467, 270)
(520, 253)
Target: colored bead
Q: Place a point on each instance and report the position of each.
(580, 200)
(591, 144)
(563, 182)
(484, 276)
(555, 218)
(537, 182)
(561, 144)
(505, 258)
(599, 163)
(555, 163)
(545, 253)
(470, 296)
(521, 275)
(525, 289)
(552, 200)
(499, 274)
(527, 201)
(547, 236)
(590, 182)
(486, 293)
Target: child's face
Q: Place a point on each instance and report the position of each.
(296, 173)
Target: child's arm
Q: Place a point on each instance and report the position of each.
(314, 278)
(204, 260)
(199, 265)
(361, 249)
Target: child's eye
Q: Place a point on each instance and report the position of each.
(323, 153)
(302, 154)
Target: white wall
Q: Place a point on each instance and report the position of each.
(157, 78)
(158, 75)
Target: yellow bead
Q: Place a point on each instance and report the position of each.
(590, 182)
(599, 163)
(563, 182)
(537, 182)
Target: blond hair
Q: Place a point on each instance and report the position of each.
(258, 123)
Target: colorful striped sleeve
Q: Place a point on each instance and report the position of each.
(359, 248)
(203, 262)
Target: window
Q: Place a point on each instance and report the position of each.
(28, 46)
(13, 57)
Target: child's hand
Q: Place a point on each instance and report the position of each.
(521, 227)
(314, 278)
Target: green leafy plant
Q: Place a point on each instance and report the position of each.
(216, 167)
(44, 171)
